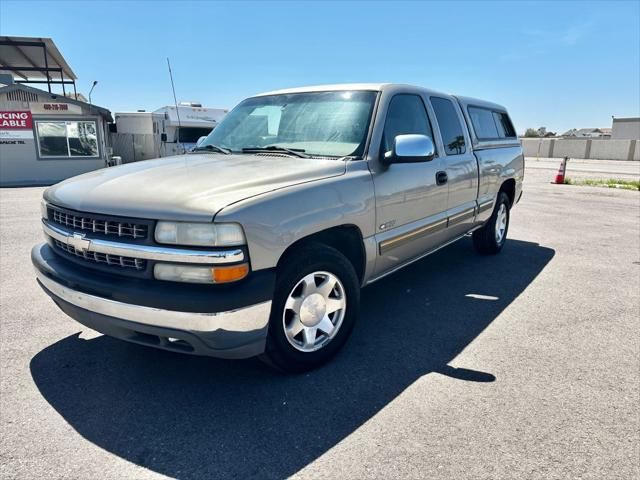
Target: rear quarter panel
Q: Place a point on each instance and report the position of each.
(496, 165)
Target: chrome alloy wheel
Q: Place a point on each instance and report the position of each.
(501, 223)
(314, 311)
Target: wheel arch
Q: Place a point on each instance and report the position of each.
(509, 187)
(347, 239)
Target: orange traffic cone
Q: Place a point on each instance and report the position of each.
(561, 171)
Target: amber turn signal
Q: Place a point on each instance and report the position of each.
(229, 274)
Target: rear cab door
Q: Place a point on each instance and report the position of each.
(459, 164)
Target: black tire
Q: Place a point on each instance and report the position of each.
(484, 239)
(279, 352)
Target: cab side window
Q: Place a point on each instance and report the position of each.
(450, 127)
(406, 115)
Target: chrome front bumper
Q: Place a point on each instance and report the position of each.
(246, 319)
(239, 333)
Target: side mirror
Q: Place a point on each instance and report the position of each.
(200, 140)
(411, 149)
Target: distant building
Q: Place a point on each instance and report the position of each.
(45, 137)
(166, 131)
(588, 133)
(626, 128)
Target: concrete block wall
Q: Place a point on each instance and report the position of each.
(611, 149)
(570, 148)
(587, 148)
(536, 147)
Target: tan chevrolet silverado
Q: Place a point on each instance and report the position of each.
(258, 241)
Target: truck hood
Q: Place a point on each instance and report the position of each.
(185, 187)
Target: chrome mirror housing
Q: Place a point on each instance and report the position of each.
(411, 148)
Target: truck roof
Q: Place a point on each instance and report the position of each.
(466, 101)
(328, 88)
(376, 87)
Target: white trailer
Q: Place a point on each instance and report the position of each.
(163, 132)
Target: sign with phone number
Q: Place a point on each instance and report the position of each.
(55, 107)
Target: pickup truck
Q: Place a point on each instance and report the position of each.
(257, 242)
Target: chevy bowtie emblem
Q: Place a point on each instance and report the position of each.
(78, 242)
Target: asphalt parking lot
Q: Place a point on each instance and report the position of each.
(524, 365)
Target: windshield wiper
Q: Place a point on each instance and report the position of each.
(296, 152)
(212, 148)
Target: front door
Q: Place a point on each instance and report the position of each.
(411, 215)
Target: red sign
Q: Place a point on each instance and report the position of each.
(16, 121)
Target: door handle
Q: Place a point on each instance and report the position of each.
(441, 178)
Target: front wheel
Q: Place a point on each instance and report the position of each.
(315, 306)
(491, 237)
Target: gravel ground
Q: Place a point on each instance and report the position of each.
(524, 365)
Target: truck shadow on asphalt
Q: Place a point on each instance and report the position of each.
(192, 417)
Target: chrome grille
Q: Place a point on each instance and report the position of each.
(87, 223)
(115, 260)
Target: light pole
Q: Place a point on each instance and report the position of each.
(95, 82)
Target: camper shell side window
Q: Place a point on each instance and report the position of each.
(490, 124)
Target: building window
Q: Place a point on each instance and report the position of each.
(75, 138)
(192, 134)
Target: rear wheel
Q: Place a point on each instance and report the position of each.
(491, 237)
(315, 306)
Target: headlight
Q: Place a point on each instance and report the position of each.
(189, 274)
(43, 209)
(200, 234)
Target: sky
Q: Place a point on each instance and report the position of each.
(557, 64)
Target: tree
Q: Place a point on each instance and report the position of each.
(531, 132)
(457, 144)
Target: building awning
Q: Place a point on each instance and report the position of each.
(34, 60)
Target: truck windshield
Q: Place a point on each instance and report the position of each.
(327, 124)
